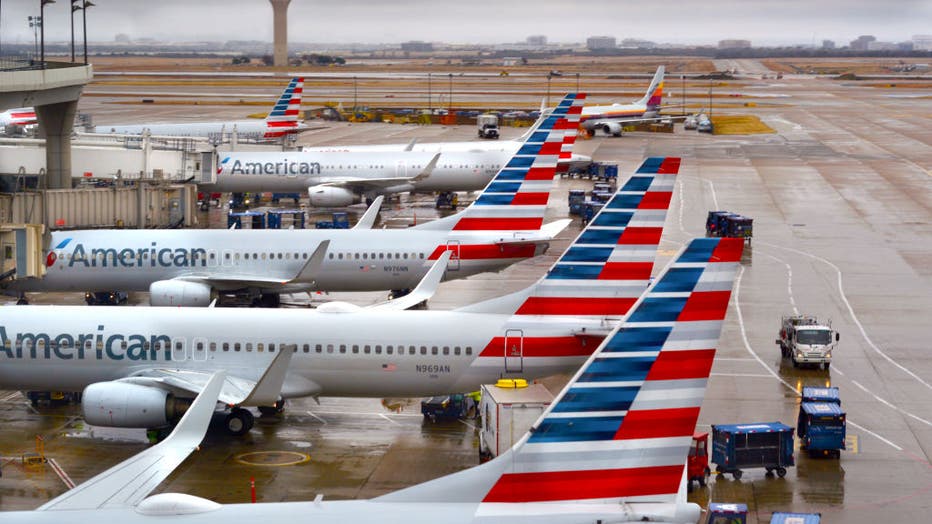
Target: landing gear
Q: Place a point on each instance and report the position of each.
(239, 422)
(22, 300)
(267, 301)
(271, 411)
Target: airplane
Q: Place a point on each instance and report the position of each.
(20, 118)
(338, 176)
(282, 120)
(611, 118)
(611, 447)
(138, 369)
(190, 267)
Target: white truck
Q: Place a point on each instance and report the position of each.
(806, 340)
(507, 410)
(488, 125)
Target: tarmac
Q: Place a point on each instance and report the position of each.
(841, 197)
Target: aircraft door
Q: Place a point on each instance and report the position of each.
(401, 169)
(454, 263)
(514, 351)
(179, 350)
(199, 350)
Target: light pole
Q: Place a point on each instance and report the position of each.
(450, 112)
(42, 4)
(430, 108)
(577, 82)
(710, 99)
(35, 22)
(87, 3)
(73, 9)
(549, 76)
(355, 93)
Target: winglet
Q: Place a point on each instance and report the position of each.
(368, 218)
(130, 481)
(424, 290)
(269, 388)
(428, 169)
(410, 146)
(312, 266)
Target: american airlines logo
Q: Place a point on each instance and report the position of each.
(153, 256)
(85, 346)
(283, 167)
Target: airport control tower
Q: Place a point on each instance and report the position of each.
(280, 10)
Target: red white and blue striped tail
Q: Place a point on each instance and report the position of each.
(620, 430)
(608, 266)
(284, 116)
(516, 197)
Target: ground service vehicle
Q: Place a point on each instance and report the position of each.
(729, 225)
(821, 423)
(488, 125)
(508, 409)
(444, 406)
(766, 445)
(697, 462)
(806, 340)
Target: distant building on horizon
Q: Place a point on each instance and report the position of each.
(862, 42)
(922, 42)
(877, 45)
(417, 46)
(828, 44)
(536, 40)
(734, 44)
(596, 43)
(637, 43)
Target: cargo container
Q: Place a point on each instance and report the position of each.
(508, 410)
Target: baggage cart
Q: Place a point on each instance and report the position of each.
(767, 445)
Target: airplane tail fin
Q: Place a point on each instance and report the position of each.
(516, 197)
(654, 96)
(620, 430)
(608, 266)
(284, 116)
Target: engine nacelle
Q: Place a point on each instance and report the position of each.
(612, 128)
(122, 405)
(329, 196)
(179, 293)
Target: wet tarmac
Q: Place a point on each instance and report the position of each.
(841, 198)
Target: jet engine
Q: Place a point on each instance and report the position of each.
(329, 196)
(612, 128)
(124, 405)
(179, 293)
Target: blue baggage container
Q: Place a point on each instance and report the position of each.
(816, 394)
(821, 428)
(727, 513)
(767, 445)
(795, 518)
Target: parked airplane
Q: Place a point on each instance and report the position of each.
(136, 370)
(283, 119)
(611, 447)
(189, 267)
(338, 176)
(612, 118)
(13, 121)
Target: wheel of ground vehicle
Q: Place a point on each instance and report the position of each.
(239, 422)
(781, 472)
(769, 471)
(736, 474)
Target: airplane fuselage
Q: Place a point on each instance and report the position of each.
(244, 129)
(295, 172)
(387, 353)
(357, 260)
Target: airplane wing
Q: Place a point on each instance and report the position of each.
(234, 281)
(424, 290)
(235, 391)
(368, 218)
(130, 481)
(363, 185)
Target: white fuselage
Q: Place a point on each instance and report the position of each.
(357, 260)
(296, 171)
(243, 128)
(372, 353)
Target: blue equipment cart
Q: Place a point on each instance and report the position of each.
(779, 517)
(817, 394)
(821, 429)
(279, 218)
(577, 199)
(255, 219)
(766, 445)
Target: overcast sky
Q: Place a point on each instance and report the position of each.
(764, 22)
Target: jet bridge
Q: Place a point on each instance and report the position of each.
(21, 249)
